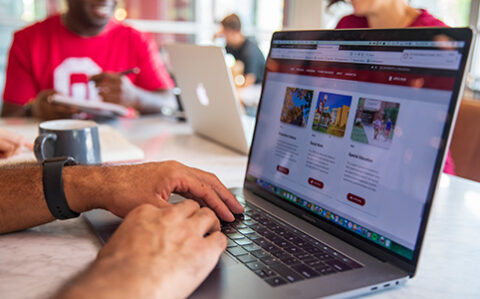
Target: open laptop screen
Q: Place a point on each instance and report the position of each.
(352, 130)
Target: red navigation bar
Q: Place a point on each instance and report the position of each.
(374, 76)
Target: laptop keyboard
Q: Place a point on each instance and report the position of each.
(278, 253)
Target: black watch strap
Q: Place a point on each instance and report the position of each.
(53, 187)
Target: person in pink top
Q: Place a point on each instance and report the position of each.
(386, 14)
(390, 14)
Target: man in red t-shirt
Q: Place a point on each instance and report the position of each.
(82, 54)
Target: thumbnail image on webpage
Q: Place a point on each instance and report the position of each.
(331, 113)
(296, 106)
(375, 122)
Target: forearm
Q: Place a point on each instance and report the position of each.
(12, 110)
(23, 204)
(114, 188)
(153, 101)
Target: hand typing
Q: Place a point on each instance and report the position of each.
(155, 253)
(120, 189)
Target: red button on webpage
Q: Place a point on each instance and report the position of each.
(283, 169)
(356, 199)
(315, 183)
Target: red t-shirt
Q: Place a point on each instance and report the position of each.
(425, 19)
(47, 55)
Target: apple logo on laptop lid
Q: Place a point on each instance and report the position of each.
(202, 95)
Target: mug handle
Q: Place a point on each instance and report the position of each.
(39, 147)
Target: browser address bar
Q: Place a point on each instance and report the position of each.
(343, 56)
(438, 59)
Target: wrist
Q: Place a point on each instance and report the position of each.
(95, 187)
(136, 98)
(34, 111)
(82, 186)
(131, 94)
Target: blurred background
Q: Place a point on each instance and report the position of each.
(196, 21)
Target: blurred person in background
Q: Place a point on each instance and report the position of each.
(87, 55)
(386, 14)
(390, 14)
(11, 144)
(243, 49)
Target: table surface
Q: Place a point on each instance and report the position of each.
(36, 262)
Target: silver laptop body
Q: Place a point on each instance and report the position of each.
(320, 165)
(208, 95)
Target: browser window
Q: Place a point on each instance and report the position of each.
(351, 130)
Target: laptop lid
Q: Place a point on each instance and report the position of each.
(352, 130)
(208, 94)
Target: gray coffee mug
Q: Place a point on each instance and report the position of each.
(67, 137)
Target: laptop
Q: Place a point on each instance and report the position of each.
(350, 140)
(209, 97)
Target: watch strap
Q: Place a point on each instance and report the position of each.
(53, 187)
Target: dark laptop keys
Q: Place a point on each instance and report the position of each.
(276, 281)
(262, 242)
(254, 236)
(265, 273)
(337, 265)
(303, 256)
(291, 261)
(293, 249)
(228, 230)
(255, 266)
(247, 258)
(315, 263)
(236, 251)
(323, 256)
(280, 254)
(282, 243)
(269, 260)
(325, 270)
(249, 222)
(274, 238)
(312, 249)
(239, 226)
(243, 241)
(260, 253)
(252, 247)
(286, 272)
(305, 271)
(235, 236)
(246, 230)
(231, 243)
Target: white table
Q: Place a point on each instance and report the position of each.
(34, 263)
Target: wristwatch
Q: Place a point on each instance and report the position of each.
(53, 187)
